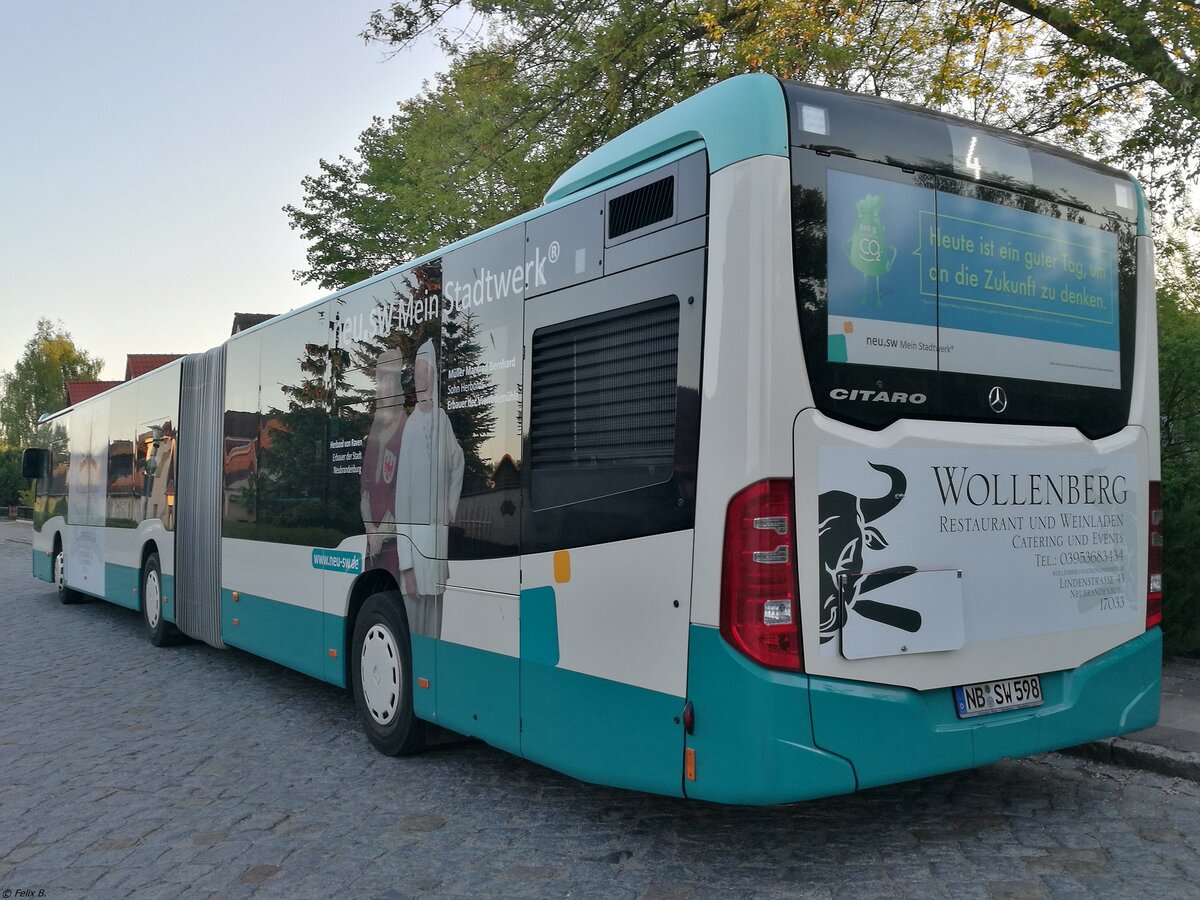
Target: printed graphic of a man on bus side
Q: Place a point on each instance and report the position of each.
(428, 483)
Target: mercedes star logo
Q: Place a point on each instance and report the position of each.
(997, 399)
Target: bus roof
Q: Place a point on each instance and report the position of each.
(736, 119)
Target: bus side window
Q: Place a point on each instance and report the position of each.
(34, 463)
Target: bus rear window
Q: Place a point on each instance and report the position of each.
(926, 279)
(923, 295)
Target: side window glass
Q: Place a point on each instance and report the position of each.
(154, 446)
(243, 438)
(123, 507)
(294, 407)
(386, 337)
(88, 473)
(481, 387)
(52, 495)
(155, 472)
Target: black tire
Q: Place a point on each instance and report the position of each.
(66, 595)
(162, 633)
(381, 656)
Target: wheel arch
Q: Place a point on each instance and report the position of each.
(151, 546)
(368, 583)
(148, 550)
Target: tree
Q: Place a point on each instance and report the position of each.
(539, 83)
(974, 58)
(37, 383)
(1154, 48)
(487, 138)
(1116, 78)
(445, 165)
(1157, 41)
(11, 482)
(1179, 374)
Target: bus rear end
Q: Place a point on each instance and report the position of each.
(941, 544)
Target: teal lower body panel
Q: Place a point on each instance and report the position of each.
(478, 694)
(539, 626)
(168, 598)
(290, 635)
(336, 639)
(896, 734)
(121, 586)
(763, 736)
(424, 660)
(588, 727)
(753, 739)
(43, 566)
(602, 731)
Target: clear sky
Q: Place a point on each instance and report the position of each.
(147, 149)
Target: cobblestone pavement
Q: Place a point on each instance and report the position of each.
(131, 771)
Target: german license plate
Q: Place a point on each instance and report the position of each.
(997, 696)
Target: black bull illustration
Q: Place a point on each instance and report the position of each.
(845, 530)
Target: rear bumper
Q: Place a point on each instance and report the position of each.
(896, 734)
(766, 737)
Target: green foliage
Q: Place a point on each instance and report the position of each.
(1179, 376)
(11, 482)
(1152, 50)
(486, 139)
(446, 165)
(37, 383)
(976, 58)
(559, 77)
(537, 84)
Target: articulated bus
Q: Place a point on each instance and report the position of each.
(800, 442)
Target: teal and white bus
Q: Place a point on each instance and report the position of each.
(801, 442)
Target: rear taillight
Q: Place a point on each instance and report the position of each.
(759, 614)
(1155, 558)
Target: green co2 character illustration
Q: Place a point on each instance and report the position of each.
(868, 249)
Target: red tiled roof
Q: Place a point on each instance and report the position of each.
(78, 391)
(140, 363)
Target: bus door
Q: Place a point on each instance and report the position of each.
(86, 499)
(611, 416)
(476, 459)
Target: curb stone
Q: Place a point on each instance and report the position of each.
(1139, 755)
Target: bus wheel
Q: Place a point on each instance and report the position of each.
(381, 676)
(162, 633)
(65, 594)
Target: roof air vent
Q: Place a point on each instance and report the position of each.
(639, 208)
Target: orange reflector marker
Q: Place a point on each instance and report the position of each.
(562, 567)
(235, 596)
(689, 763)
(332, 653)
(423, 682)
